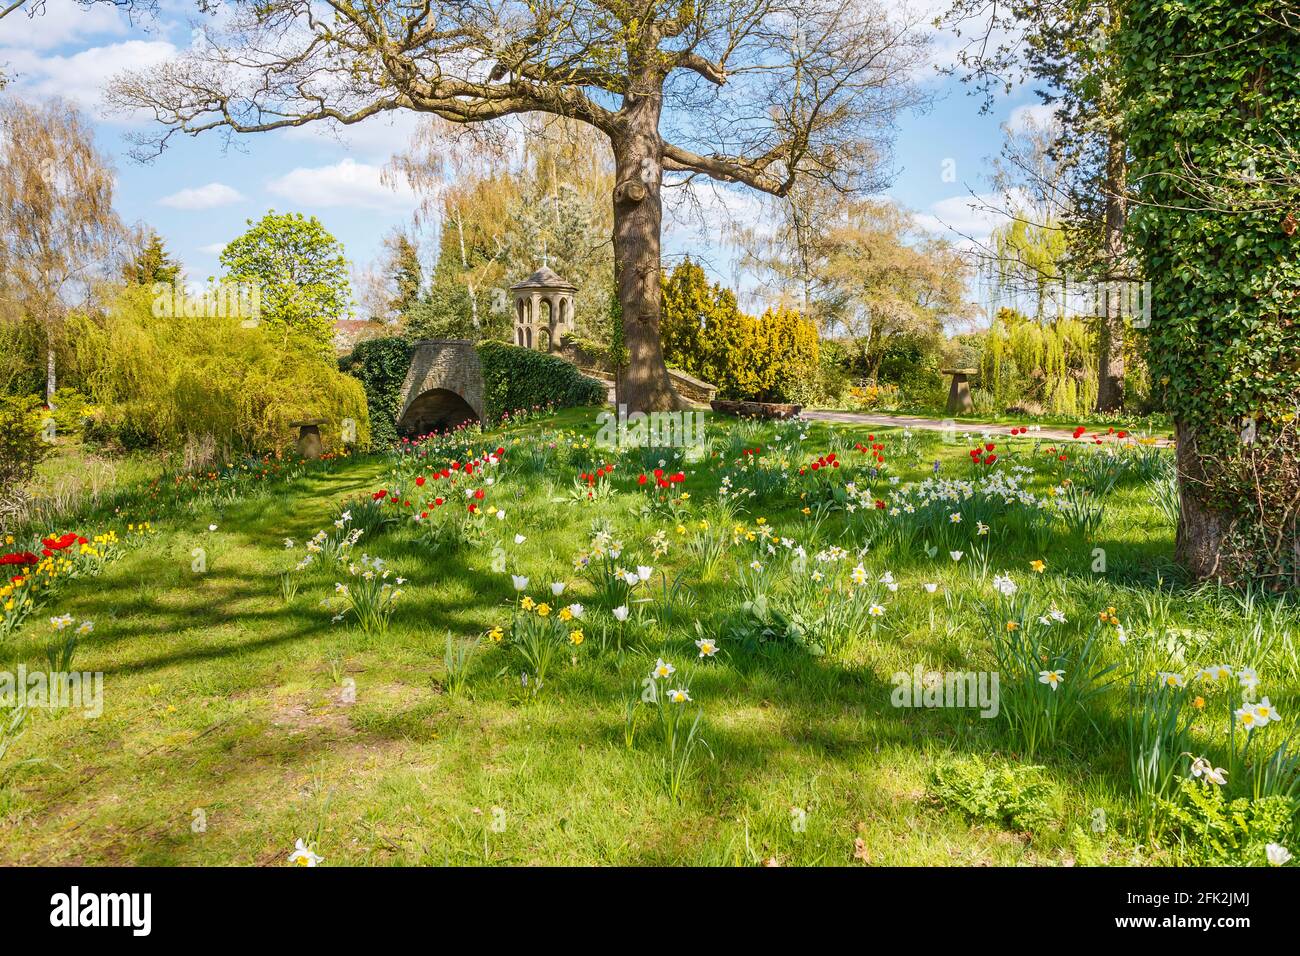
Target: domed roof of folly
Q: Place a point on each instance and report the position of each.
(545, 278)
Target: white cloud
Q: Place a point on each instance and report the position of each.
(202, 197)
(82, 76)
(1030, 114)
(213, 249)
(969, 219)
(706, 208)
(60, 22)
(346, 183)
(375, 138)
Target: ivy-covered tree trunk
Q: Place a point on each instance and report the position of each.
(1212, 108)
(638, 220)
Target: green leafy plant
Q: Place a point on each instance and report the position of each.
(1007, 795)
(22, 446)
(1214, 831)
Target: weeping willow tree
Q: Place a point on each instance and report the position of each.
(1044, 364)
(164, 382)
(1024, 264)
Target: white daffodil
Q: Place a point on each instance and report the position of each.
(1265, 712)
(1053, 616)
(1003, 584)
(302, 855)
(663, 669)
(1051, 678)
(859, 575)
(60, 622)
(1203, 768)
(288, 544)
(86, 627)
(679, 696)
(1169, 679)
(1247, 717)
(1248, 678)
(1218, 672)
(212, 527)
(955, 517)
(876, 610)
(707, 647)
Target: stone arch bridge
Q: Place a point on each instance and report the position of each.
(443, 388)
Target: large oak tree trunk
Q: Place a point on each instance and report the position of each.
(1198, 545)
(1110, 345)
(638, 216)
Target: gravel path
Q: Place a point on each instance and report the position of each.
(938, 425)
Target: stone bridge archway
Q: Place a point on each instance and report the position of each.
(443, 387)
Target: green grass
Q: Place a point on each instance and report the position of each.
(226, 703)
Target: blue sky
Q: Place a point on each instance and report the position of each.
(198, 196)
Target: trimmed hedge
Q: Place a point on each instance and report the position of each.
(381, 366)
(513, 378)
(518, 378)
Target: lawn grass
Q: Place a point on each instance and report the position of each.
(236, 722)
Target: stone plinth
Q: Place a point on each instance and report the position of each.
(309, 443)
(959, 400)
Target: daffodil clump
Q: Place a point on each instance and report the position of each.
(539, 630)
(368, 597)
